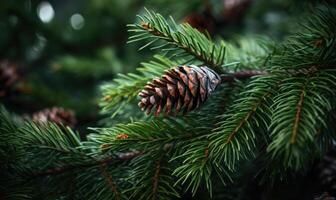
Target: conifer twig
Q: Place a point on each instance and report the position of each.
(109, 180)
(105, 161)
(242, 75)
(178, 39)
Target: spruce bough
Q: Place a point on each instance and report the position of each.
(276, 116)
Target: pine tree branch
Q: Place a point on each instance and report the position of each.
(67, 168)
(235, 137)
(125, 88)
(246, 118)
(298, 112)
(179, 40)
(171, 39)
(313, 45)
(156, 177)
(109, 180)
(151, 176)
(241, 75)
(297, 116)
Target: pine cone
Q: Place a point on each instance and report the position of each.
(183, 87)
(8, 77)
(57, 115)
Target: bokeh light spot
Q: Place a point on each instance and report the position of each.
(45, 11)
(77, 21)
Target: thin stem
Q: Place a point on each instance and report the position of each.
(104, 161)
(169, 38)
(110, 181)
(228, 77)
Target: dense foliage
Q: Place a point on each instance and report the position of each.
(269, 121)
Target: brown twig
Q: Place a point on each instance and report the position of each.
(156, 177)
(105, 161)
(242, 75)
(109, 180)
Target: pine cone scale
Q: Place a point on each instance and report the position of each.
(181, 88)
(169, 79)
(171, 90)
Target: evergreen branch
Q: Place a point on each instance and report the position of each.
(181, 133)
(246, 118)
(156, 177)
(241, 75)
(305, 95)
(313, 45)
(326, 134)
(298, 114)
(183, 39)
(67, 168)
(125, 88)
(143, 135)
(197, 169)
(110, 181)
(235, 137)
(152, 178)
(249, 53)
(103, 181)
(10, 147)
(96, 162)
(50, 134)
(11, 152)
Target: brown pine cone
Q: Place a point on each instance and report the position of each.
(183, 87)
(56, 115)
(8, 77)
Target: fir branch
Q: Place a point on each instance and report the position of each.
(235, 137)
(10, 147)
(181, 133)
(52, 143)
(197, 169)
(248, 53)
(143, 135)
(93, 163)
(179, 39)
(110, 181)
(305, 95)
(151, 177)
(11, 152)
(125, 88)
(312, 45)
(241, 75)
(156, 177)
(103, 181)
(298, 114)
(69, 168)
